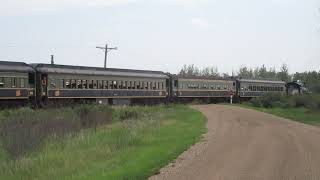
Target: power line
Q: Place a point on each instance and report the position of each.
(106, 50)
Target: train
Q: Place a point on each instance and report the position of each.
(45, 84)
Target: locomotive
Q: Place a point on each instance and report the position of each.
(42, 84)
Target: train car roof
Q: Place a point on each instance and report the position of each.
(204, 78)
(67, 69)
(8, 66)
(261, 81)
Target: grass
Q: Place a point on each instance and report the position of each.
(129, 148)
(300, 114)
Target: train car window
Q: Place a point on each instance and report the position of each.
(7, 82)
(100, 84)
(18, 82)
(175, 83)
(105, 84)
(61, 83)
(109, 84)
(52, 83)
(95, 84)
(14, 82)
(79, 84)
(67, 84)
(114, 85)
(129, 84)
(73, 84)
(138, 85)
(84, 84)
(146, 84)
(119, 85)
(132, 84)
(89, 84)
(125, 85)
(1, 82)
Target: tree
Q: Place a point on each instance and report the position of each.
(283, 74)
(192, 70)
(245, 73)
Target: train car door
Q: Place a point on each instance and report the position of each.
(44, 85)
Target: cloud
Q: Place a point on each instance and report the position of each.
(22, 7)
(200, 23)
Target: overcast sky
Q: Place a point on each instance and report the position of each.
(163, 34)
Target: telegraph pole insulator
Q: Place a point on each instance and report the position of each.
(106, 50)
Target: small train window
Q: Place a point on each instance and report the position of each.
(14, 82)
(1, 82)
(52, 83)
(175, 83)
(105, 84)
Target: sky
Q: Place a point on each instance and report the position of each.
(163, 34)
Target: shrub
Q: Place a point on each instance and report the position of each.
(255, 102)
(309, 101)
(126, 114)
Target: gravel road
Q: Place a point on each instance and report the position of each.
(243, 144)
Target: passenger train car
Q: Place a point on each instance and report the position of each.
(196, 87)
(17, 83)
(99, 84)
(248, 88)
(41, 84)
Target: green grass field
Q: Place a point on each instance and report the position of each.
(126, 149)
(301, 114)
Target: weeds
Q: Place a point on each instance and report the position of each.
(24, 130)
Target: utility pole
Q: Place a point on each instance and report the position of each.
(106, 50)
(52, 59)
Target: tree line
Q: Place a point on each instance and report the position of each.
(311, 79)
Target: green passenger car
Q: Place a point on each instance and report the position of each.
(16, 82)
(77, 82)
(192, 87)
